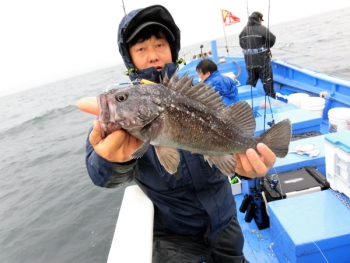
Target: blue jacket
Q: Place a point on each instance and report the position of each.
(196, 202)
(225, 86)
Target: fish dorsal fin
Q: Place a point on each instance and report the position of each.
(165, 80)
(172, 82)
(240, 116)
(200, 92)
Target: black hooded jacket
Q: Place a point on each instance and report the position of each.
(155, 13)
(254, 35)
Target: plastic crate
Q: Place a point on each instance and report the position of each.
(337, 148)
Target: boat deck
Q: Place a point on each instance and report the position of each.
(310, 227)
(307, 228)
(261, 244)
(257, 246)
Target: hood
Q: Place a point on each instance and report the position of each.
(156, 13)
(253, 20)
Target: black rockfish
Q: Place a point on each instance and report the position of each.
(176, 115)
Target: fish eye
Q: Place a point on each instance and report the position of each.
(121, 97)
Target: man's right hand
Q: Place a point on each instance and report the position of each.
(116, 147)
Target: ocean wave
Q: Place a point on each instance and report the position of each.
(48, 115)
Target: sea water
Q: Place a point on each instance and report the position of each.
(50, 210)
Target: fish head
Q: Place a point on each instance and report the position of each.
(130, 108)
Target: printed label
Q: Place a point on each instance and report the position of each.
(332, 128)
(293, 181)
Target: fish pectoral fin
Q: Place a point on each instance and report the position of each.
(141, 150)
(168, 157)
(225, 163)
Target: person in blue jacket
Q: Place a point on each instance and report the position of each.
(208, 73)
(194, 210)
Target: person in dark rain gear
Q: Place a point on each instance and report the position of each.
(256, 41)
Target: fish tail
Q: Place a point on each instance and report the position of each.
(278, 137)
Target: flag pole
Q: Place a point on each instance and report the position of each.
(223, 25)
(228, 19)
(225, 40)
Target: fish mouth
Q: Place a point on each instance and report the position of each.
(107, 115)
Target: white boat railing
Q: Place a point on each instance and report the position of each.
(133, 236)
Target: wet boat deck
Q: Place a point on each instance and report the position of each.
(257, 242)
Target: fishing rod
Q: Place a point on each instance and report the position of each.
(124, 8)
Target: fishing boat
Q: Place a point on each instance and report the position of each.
(280, 223)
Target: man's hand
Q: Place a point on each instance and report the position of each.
(251, 164)
(116, 147)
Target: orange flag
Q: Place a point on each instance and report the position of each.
(228, 18)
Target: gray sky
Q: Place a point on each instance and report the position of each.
(44, 41)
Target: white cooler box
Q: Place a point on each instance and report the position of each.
(337, 149)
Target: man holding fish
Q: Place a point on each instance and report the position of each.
(157, 135)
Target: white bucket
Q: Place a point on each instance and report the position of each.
(339, 119)
(297, 98)
(314, 104)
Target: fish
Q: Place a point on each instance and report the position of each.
(175, 114)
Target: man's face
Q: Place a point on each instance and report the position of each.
(152, 52)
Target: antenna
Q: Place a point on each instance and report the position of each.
(124, 8)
